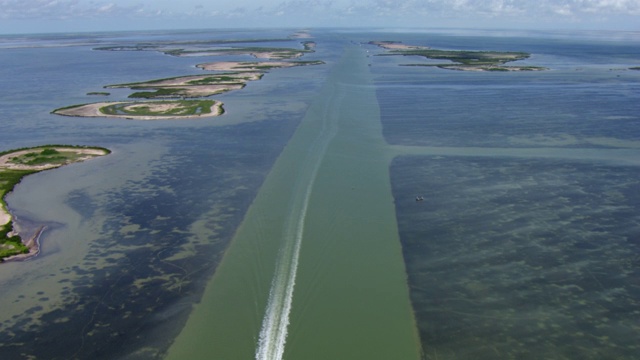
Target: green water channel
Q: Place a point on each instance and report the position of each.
(323, 221)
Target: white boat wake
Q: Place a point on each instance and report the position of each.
(274, 331)
(275, 325)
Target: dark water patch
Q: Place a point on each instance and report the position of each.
(135, 288)
(521, 259)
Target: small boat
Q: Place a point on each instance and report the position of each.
(419, 198)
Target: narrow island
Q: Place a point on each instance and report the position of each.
(463, 60)
(16, 164)
(168, 45)
(254, 65)
(148, 110)
(220, 47)
(190, 86)
(257, 52)
(180, 97)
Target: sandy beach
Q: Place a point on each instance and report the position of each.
(244, 65)
(34, 247)
(13, 161)
(5, 160)
(270, 55)
(93, 110)
(389, 45)
(5, 217)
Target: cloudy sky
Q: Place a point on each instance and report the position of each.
(32, 16)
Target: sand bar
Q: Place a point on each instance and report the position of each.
(251, 65)
(5, 160)
(275, 54)
(392, 45)
(4, 216)
(234, 78)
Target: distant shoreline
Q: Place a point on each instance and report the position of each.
(460, 60)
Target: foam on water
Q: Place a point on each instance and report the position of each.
(275, 324)
(274, 331)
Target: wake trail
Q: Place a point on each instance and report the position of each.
(274, 331)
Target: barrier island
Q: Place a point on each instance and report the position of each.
(220, 47)
(190, 86)
(464, 60)
(255, 65)
(148, 110)
(231, 75)
(16, 164)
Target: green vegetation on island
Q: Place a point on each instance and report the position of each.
(161, 93)
(465, 60)
(309, 45)
(203, 48)
(190, 86)
(10, 244)
(259, 52)
(15, 165)
(99, 93)
(161, 44)
(256, 65)
(265, 65)
(214, 79)
(234, 76)
(162, 108)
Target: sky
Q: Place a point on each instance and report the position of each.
(49, 16)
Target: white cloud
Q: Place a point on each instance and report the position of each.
(61, 9)
(324, 12)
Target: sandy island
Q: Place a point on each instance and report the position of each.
(5, 217)
(190, 80)
(461, 60)
(302, 34)
(162, 110)
(81, 153)
(395, 45)
(266, 54)
(35, 160)
(191, 86)
(252, 65)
